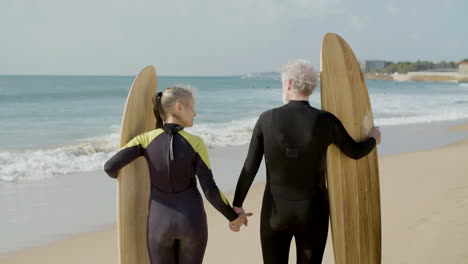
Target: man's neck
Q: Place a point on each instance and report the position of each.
(299, 97)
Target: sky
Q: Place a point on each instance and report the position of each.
(219, 37)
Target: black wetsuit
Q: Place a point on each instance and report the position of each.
(294, 139)
(177, 227)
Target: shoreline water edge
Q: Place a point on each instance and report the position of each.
(82, 205)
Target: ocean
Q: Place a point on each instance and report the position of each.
(57, 125)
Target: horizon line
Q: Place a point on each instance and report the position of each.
(110, 75)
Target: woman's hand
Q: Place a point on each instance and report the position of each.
(236, 224)
(240, 210)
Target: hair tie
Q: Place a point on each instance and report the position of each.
(159, 95)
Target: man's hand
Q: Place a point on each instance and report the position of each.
(375, 133)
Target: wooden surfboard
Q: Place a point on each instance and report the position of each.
(353, 185)
(133, 181)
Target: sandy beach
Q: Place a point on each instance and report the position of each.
(70, 70)
(459, 128)
(424, 198)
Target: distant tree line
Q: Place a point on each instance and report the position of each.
(406, 66)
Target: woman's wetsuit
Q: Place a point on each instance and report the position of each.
(177, 227)
(294, 139)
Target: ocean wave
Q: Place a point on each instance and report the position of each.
(262, 76)
(47, 163)
(385, 115)
(419, 119)
(231, 133)
(91, 154)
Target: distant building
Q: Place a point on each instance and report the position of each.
(463, 68)
(463, 72)
(373, 65)
(437, 75)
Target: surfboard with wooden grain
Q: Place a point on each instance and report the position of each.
(353, 185)
(133, 180)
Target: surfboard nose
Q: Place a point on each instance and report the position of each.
(148, 70)
(329, 37)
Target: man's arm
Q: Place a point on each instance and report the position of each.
(251, 165)
(345, 142)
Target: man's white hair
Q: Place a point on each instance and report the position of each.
(302, 76)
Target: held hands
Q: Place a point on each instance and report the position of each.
(375, 133)
(240, 210)
(239, 221)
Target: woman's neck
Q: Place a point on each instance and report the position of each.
(173, 120)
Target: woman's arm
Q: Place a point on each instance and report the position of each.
(127, 154)
(210, 189)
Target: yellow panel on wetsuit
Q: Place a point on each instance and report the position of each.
(144, 139)
(199, 146)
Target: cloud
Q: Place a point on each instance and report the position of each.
(414, 36)
(360, 23)
(391, 9)
(274, 11)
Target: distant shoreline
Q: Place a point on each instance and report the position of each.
(418, 77)
(378, 76)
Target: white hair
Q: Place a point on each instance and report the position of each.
(302, 76)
